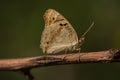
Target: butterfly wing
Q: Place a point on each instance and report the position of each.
(58, 34)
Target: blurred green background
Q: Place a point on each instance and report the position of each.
(21, 25)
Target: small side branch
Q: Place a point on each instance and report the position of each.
(25, 64)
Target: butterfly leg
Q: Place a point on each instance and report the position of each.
(66, 51)
(79, 50)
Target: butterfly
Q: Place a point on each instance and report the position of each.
(59, 35)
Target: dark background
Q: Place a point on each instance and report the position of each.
(21, 25)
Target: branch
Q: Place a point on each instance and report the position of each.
(25, 64)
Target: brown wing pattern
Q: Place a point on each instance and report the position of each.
(58, 33)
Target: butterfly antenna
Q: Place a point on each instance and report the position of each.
(88, 29)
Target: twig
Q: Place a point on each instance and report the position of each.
(25, 64)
